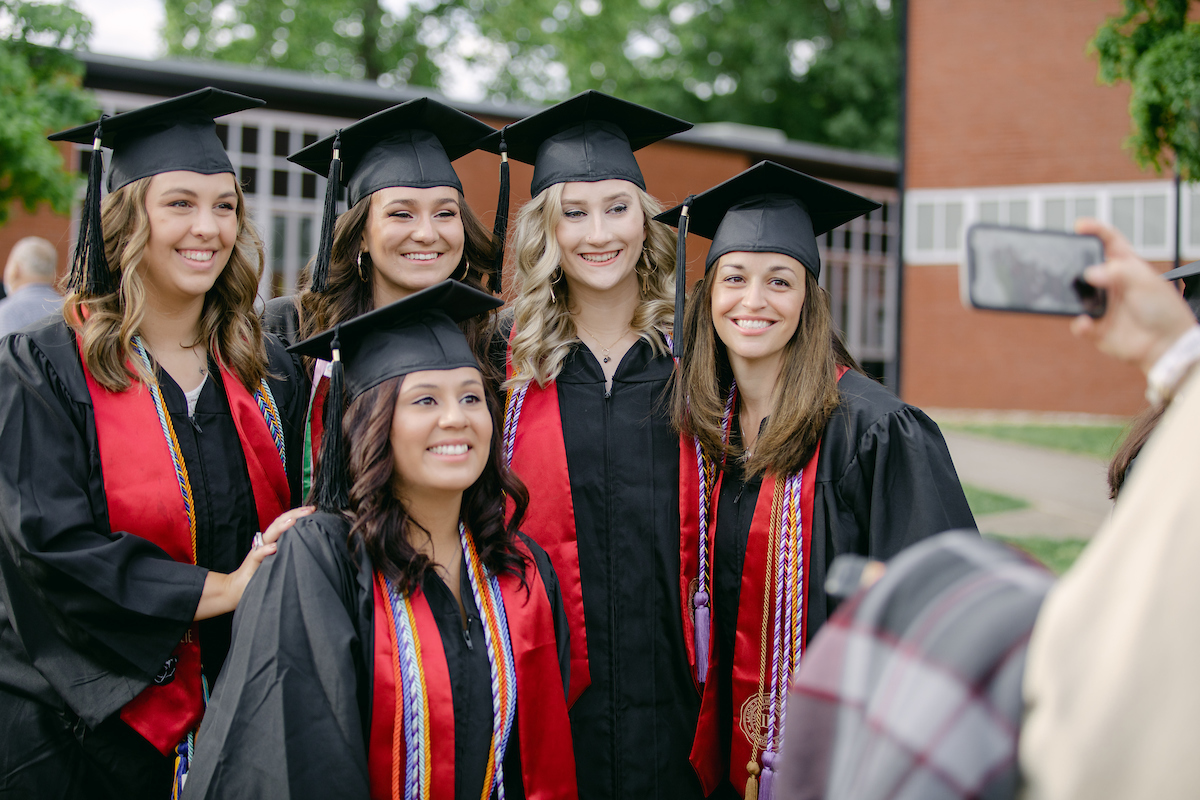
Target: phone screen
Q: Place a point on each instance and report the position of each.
(1018, 269)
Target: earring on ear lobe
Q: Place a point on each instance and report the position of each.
(466, 270)
(361, 276)
(554, 278)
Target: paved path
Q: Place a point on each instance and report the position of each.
(1068, 494)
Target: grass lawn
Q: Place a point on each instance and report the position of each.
(1099, 441)
(1057, 554)
(983, 502)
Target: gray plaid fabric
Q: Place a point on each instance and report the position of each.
(912, 690)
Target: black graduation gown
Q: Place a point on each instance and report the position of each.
(884, 481)
(291, 717)
(89, 617)
(633, 726)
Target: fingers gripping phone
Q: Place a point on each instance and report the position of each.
(1038, 272)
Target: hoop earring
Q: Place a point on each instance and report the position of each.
(466, 270)
(643, 280)
(361, 276)
(555, 278)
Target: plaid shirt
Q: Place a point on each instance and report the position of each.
(913, 688)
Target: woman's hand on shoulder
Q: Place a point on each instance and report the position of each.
(222, 592)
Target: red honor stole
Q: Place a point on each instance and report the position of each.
(544, 731)
(539, 455)
(142, 491)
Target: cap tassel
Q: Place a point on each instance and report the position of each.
(320, 273)
(500, 231)
(331, 491)
(90, 275)
(681, 274)
(702, 634)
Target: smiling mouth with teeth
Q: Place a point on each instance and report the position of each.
(196, 255)
(449, 449)
(753, 324)
(599, 257)
(422, 256)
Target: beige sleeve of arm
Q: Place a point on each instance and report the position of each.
(1112, 683)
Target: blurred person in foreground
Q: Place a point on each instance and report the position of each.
(29, 284)
(1112, 700)
(966, 672)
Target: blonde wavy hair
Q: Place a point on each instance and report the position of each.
(107, 324)
(544, 328)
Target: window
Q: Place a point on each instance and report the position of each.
(249, 179)
(249, 139)
(282, 142)
(279, 183)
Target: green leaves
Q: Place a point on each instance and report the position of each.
(821, 70)
(39, 93)
(1154, 47)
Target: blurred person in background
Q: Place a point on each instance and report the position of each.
(29, 284)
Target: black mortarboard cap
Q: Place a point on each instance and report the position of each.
(176, 134)
(419, 332)
(590, 137)
(1190, 275)
(411, 144)
(768, 208)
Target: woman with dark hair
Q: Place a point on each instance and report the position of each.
(408, 227)
(148, 438)
(802, 458)
(405, 641)
(589, 366)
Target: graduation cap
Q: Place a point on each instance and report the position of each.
(176, 134)
(418, 332)
(590, 137)
(768, 208)
(1190, 275)
(411, 144)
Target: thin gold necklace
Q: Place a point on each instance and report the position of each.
(607, 358)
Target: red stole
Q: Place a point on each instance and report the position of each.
(544, 731)
(143, 497)
(707, 759)
(540, 458)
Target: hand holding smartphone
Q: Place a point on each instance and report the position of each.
(1031, 271)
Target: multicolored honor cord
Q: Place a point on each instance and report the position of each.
(702, 598)
(412, 711)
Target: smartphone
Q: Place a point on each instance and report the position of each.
(1032, 271)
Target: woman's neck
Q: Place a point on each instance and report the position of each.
(172, 334)
(438, 515)
(756, 389)
(605, 314)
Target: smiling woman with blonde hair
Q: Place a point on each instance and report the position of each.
(803, 456)
(150, 432)
(588, 362)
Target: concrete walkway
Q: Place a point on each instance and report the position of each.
(1067, 494)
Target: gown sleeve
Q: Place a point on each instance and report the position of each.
(285, 719)
(562, 630)
(97, 612)
(900, 486)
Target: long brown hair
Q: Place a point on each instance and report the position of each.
(228, 323)
(380, 519)
(1140, 428)
(806, 393)
(350, 294)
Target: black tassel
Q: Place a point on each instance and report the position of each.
(331, 489)
(90, 275)
(681, 274)
(320, 272)
(500, 231)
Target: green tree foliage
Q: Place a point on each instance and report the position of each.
(821, 70)
(39, 93)
(1153, 45)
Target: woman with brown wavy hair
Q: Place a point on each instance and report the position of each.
(406, 641)
(147, 433)
(803, 457)
(408, 228)
(589, 367)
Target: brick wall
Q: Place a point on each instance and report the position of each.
(1004, 94)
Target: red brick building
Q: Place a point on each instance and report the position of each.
(1007, 123)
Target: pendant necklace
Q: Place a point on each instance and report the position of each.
(607, 358)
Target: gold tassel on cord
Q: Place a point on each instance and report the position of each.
(752, 781)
